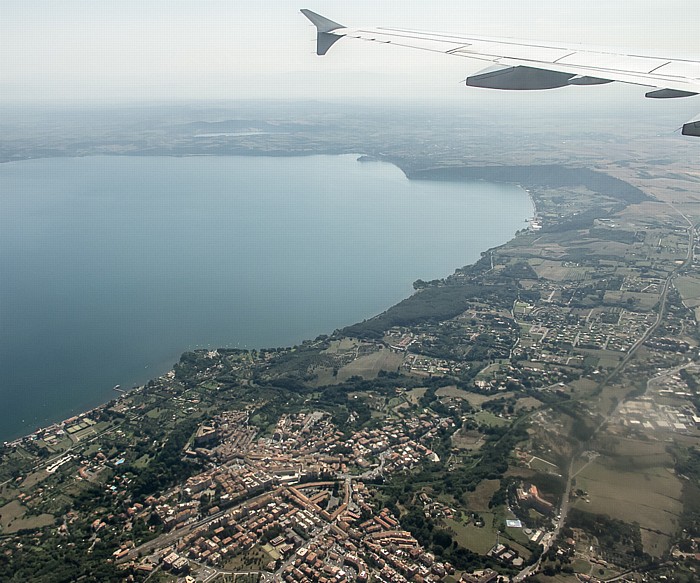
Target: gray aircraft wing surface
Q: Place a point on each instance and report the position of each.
(531, 65)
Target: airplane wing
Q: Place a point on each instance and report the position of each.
(529, 65)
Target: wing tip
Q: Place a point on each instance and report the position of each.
(324, 26)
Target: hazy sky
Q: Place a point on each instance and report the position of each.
(88, 51)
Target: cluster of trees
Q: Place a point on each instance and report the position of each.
(190, 365)
(501, 405)
(491, 464)
(688, 465)
(167, 467)
(550, 176)
(433, 304)
(583, 424)
(518, 270)
(620, 540)
(442, 543)
(48, 558)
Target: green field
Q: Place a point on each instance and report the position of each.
(415, 395)
(542, 465)
(650, 497)
(641, 301)
(527, 403)
(368, 366)
(467, 440)
(271, 551)
(478, 500)
(581, 566)
(478, 540)
(488, 418)
(13, 518)
(474, 399)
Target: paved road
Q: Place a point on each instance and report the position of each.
(563, 511)
(649, 332)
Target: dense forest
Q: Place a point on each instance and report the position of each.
(545, 176)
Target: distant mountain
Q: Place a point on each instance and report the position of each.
(231, 126)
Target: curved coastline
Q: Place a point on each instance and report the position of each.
(78, 410)
(528, 178)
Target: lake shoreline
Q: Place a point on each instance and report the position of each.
(79, 410)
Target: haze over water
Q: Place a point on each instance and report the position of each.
(111, 267)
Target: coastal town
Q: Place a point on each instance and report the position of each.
(534, 416)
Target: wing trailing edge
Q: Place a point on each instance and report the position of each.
(533, 65)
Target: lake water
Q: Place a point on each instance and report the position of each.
(111, 267)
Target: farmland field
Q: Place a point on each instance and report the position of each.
(649, 496)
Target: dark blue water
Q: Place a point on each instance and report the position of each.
(110, 267)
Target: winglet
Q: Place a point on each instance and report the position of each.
(321, 22)
(324, 40)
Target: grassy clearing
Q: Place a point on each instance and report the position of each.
(555, 271)
(415, 395)
(642, 301)
(542, 465)
(604, 572)
(368, 366)
(64, 444)
(560, 578)
(474, 399)
(478, 500)
(655, 543)
(689, 288)
(581, 566)
(583, 386)
(395, 402)
(527, 403)
(344, 345)
(33, 479)
(650, 496)
(467, 440)
(142, 462)
(630, 454)
(451, 391)
(609, 397)
(271, 551)
(11, 512)
(13, 518)
(155, 413)
(478, 540)
(517, 535)
(31, 523)
(488, 418)
(520, 472)
(324, 377)
(488, 371)
(610, 360)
